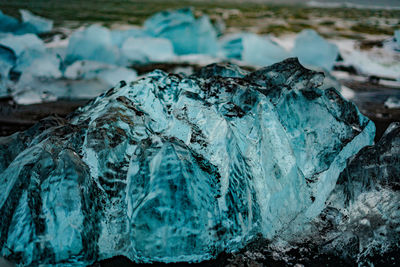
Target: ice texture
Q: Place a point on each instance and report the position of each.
(314, 50)
(147, 49)
(36, 23)
(187, 34)
(252, 49)
(173, 168)
(93, 43)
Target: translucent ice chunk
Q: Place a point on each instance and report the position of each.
(30, 23)
(38, 63)
(38, 24)
(31, 55)
(172, 168)
(147, 49)
(187, 34)
(120, 36)
(314, 50)
(22, 43)
(8, 23)
(94, 43)
(252, 49)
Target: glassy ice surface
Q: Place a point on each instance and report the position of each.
(38, 24)
(252, 49)
(314, 50)
(187, 34)
(173, 168)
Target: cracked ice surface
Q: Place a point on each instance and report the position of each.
(174, 168)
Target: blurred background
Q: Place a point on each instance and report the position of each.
(55, 55)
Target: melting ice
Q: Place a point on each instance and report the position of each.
(174, 168)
